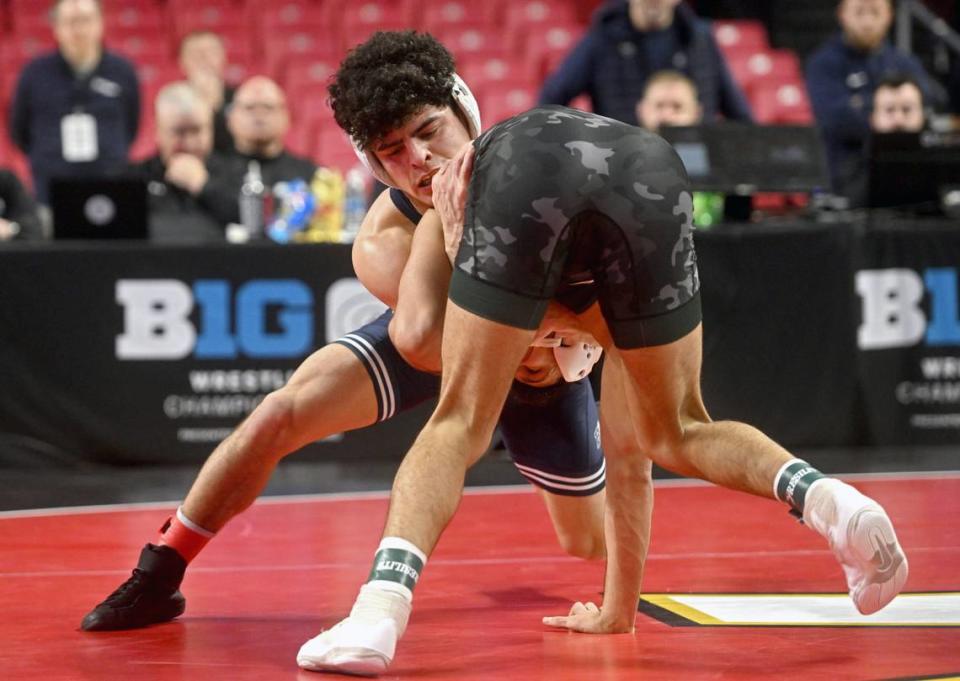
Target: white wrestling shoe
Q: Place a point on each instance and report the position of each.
(351, 647)
(862, 538)
(364, 643)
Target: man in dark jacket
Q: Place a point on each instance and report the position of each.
(632, 39)
(178, 176)
(75, 111)
(258, 120)
(843, 74)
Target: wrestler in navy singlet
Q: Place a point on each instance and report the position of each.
(552, 434)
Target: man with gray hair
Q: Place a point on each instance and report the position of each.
(178, 174)
(76, 110)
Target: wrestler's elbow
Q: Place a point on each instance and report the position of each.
(417, 340)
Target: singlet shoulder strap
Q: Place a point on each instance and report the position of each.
(405, 206)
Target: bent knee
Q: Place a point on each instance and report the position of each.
(586, 545)
(271, 424)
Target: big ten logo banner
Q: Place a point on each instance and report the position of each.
(168, 319)
(893, 308)
(263, 318)
(909, 338)
(234, 342)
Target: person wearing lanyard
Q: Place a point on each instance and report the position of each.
(76, 110)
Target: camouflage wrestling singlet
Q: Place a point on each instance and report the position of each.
(559, 197)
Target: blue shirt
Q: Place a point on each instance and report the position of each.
(48, 90)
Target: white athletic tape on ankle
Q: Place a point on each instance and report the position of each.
(776, 478)
(403, 544)
(192, 526)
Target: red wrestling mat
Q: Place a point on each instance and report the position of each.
(290, 566)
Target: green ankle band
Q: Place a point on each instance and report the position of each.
(396, 565)
(794, 481)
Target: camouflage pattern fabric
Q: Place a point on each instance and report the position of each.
(559, 196)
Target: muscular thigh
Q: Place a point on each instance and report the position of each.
(331, 392)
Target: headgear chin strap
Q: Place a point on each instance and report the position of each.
(468, 106)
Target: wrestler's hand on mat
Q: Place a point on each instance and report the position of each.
(587, 619)
(450, 185)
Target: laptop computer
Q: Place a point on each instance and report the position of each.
(913, 171)
(101, 208)
(742, 159)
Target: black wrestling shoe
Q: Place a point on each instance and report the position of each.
(151, 595)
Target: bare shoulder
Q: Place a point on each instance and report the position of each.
(382, 248)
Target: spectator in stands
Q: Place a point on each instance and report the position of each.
(75, 111)
(669, 98)
(19, 218)
(259, 121)
(842, 76)
(203, 61)
(898, 106)
(632, 39)
(178, 175)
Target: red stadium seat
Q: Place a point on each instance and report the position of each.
(35, 27)
(439, 15)
(738, 35)
(24, 12)
(374, 14)
(120, 5)
(543, 50)
(283, 48)
(785, 104)
(155, 76)
(21, 49)
(315, 111)
(496, 72)
(354, 34)
(524, 17)
(222, 20)
(175, 7)
(581, 102)
(147, 17)
(334, 149)
(753, 68)
(468, 44)
(238, 71)
(290, 15)
(308, 75)
(141, 49)
(301, 140)
(501, 104)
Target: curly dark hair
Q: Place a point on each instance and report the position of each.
(386, 80)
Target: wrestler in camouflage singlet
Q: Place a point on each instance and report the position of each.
(559, 197)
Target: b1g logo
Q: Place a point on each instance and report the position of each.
(892, 313)
(263, 318)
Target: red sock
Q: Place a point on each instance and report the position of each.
(184, 536)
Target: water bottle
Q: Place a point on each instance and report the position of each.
(354, 203)
(252, 199)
